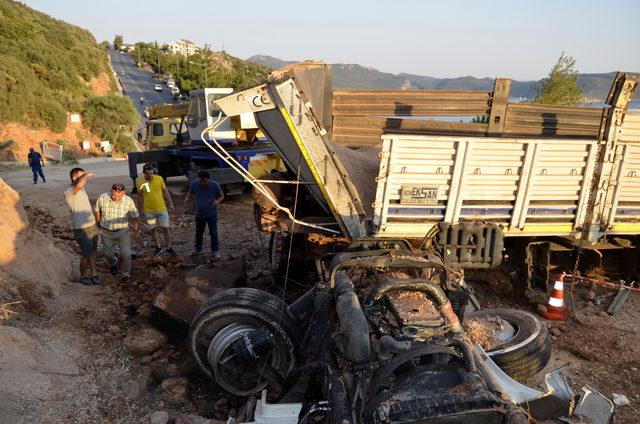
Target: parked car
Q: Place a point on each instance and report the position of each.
(157, 87)
(175, 90)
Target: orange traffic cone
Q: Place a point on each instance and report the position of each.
(555, 309)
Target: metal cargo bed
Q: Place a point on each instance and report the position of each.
(527, 186)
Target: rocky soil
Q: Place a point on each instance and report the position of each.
(102, 354)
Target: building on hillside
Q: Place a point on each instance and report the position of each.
(182, 46)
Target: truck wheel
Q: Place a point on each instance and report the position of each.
(521, 343)
(229, 318)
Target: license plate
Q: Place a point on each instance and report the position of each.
(418, 195)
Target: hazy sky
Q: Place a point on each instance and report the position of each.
(515, 39)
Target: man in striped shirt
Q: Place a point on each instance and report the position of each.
(113, 211)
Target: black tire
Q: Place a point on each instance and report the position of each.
(251, 307)
(528, 351)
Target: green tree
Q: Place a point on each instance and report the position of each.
(222, 70)
(117, 42)
(561, 86)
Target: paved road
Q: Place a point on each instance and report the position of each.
(58, 175)
(138, 82)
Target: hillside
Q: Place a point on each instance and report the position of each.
(48, 69)
(222, 70)
(352, 76)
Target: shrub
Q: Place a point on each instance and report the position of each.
(7, 144)
(45, 65)
(124, 143)
(52, 114)
(69, 154)
(105, 115)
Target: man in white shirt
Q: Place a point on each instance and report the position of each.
(85, 230)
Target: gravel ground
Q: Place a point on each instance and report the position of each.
(83, 374)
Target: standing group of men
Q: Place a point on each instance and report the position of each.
(114, 211)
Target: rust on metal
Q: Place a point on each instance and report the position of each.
(412, 307)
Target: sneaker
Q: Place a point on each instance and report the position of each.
(196, 252)
(170, 251)
(113, 269)
(95, 280)
(126, 279)
(85, 281)
(216, 254)
(158, 251)
(35, 182)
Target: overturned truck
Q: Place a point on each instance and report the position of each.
(375, 232)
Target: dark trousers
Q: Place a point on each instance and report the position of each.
(212, 223)
(37, 170)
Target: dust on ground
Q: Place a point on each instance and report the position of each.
(65, 361)
(70, 346)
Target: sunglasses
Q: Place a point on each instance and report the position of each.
(117, 188)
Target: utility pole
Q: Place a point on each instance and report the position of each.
(205, 66)
(158, 50)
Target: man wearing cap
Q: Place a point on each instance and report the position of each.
(153, 198)
(85, 230)
(112, 212)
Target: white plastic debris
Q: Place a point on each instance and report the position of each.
(620, 400)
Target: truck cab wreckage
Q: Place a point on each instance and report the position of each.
(379, 336)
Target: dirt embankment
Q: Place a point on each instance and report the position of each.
(101, 85)
(26, 137)
(27, 257)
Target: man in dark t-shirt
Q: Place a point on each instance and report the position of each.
(208, 197)
(36, 163)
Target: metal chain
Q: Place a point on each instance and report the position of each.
(578, 251)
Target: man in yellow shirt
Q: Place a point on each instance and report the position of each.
(152, 195)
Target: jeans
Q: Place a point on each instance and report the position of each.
(37, 170)
(212, 222)
(109, 240)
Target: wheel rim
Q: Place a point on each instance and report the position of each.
(230, 374)
(215, 336)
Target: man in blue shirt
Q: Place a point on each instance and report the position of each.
(208, 196)
(36, 163)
